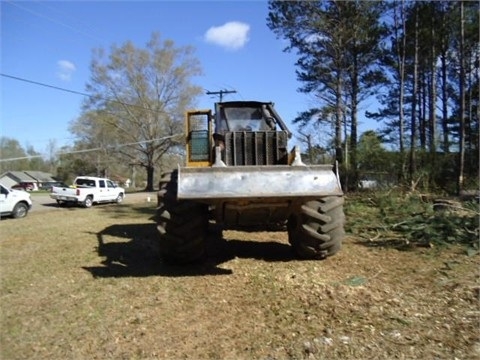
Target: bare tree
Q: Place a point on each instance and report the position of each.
(138, 98)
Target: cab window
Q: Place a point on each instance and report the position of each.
(244, 119)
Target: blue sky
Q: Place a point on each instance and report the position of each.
(51, 43)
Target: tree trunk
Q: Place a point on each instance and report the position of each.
(422, 99)
(446, 142)
(444, 48)
(413, 136)
(401, 55)
(461, 148)
(433, 101)
(150, 171)
(339, 153)
(134, 176)
(353, 126)
(338, 119)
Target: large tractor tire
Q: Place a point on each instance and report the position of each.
(316, 231)
(182, 225)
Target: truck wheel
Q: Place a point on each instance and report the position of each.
(88, 202)
(20, 210)
(119, 198)
(317, 230)
(182, 225)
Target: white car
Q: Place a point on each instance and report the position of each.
(14, 203)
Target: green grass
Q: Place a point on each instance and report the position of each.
(88, 284)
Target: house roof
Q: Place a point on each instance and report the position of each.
(28, 176)
(40, 176)
(19, 176)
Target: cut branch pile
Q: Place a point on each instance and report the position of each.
(409, 221)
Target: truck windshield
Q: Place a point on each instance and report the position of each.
(245, 119)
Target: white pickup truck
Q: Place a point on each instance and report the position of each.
(87, 190)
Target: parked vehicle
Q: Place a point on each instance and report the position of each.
(88, 190)
(24, 186)
(240, 173)
(14, 203)
(49, 185)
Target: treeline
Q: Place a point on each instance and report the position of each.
(14, 157)
(419, 58)
(67, 162)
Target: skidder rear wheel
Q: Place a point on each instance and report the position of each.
(182, 225)
(316, 231)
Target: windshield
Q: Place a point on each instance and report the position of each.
(244, 119)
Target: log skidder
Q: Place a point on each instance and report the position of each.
(240, 174)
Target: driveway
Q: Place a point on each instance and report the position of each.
(43, 202)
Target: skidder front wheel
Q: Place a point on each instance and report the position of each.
(316, 231)
(182, 225)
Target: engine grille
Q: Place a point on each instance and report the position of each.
(255, 148)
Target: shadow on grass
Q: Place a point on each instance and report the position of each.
(112, 209)
(67, 206)
(138, 255)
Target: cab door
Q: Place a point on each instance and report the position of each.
(199, 138)
(102, 190)
(112, 190)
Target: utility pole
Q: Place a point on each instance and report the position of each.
(220, 93)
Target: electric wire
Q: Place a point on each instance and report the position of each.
(86, 95)
(112, 147)
(45, 85)
(74, 29)
(16, 4)
(76, 92)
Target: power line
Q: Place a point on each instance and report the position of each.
(93, 149)
(45, 85)
(53, 20)
(86, 95)
(78, 92)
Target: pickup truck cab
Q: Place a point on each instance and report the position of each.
(14, 203)
(88, 190)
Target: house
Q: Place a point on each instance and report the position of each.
(31, 180)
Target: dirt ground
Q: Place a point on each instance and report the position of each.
(88, 284)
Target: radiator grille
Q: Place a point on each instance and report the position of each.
(255, 148)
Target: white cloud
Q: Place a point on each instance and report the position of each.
(231, 35)
(65, 70)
